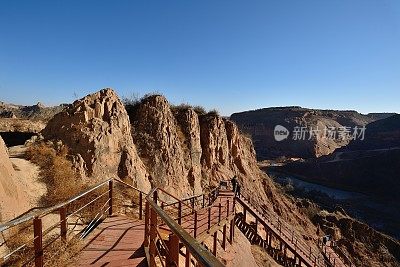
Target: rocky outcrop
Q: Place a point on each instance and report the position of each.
(160, 144)
(188, 124)
(260, 124)
(188, 153)
(216, 158)
(11, 196)
(97, 130)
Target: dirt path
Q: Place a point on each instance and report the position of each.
(27, 175)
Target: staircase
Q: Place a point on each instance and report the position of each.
(281, 240)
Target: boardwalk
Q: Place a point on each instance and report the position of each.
(116, 242)
(303, 250)
(224, 199)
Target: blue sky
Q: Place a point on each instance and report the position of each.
(229, 55)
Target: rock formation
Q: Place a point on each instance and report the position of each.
(188, 153)
(97, 130)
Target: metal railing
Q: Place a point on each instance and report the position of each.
(164, 232)
(77, 217)
(332, 252)
(282, 230)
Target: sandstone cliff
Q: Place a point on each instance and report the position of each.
(187, 153)
(97, 130)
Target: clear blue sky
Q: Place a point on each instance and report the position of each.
(231, 55)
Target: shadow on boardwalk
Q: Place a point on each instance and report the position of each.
(117, 242)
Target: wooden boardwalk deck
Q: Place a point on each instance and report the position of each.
(117, 241)
(202, 215)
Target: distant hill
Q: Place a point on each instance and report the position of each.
(34, 112)
(381, 134)
(380, 116)
(260, 125)
(371, 166)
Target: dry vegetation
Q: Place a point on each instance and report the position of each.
(132, 102)
(56, 172)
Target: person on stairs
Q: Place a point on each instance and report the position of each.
(235, 186)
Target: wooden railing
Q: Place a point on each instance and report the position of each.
(77, 216)
(285, 234)
(331, 254)
(164, 231)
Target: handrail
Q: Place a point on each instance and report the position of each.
(128, 185)
(196, 249)
(48, 210)
(241, 201)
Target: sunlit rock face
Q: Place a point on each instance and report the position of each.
(97, 130)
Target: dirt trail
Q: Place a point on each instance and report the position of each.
(27, 176)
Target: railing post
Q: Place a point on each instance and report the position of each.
(244, 213)
(38, 245)
(153, 235)
(256, 225)
(180, 212)
(187, 256)
(204, 200)
(63, 223)
(110, 197)
(219, 212)
(140, 205)
(227, 208)
(209, 218)
(215, 243)
(195, 225)
(155, 197)
(172, 258)
(146, 224)
(224, 237)
(232, 231)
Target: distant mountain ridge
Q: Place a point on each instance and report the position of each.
(260, 125)
(371, 166)
(34, 112)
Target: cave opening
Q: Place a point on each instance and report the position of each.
(16, 138)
